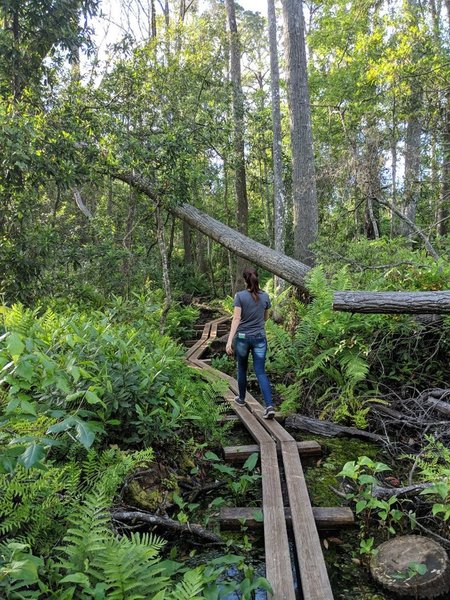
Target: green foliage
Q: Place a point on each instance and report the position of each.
(97, 374)
(338, 361)
(240, 485)
(363, 475)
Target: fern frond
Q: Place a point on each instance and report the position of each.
(131, 568)
(190, 587)
(90, 533)
(354, 366)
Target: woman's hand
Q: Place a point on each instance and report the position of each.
(229, 349)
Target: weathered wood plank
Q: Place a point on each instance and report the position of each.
(278, 560)
(326, 518)
(313, 572)
(258, 433)
(239, 454)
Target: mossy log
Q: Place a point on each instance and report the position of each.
(396, 566)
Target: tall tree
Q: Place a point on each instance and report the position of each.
(413, 132)
(238, 132)
(304, 193)
(278, 186)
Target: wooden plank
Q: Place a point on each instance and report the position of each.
(258, 433)
(200, 342)
(239, 454)
(313, 572)
(278, 560)
(326, 518)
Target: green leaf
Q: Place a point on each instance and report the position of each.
(211, 456)
(33, 454)
(15, 345)
(360, 506)
(92, 398)
(85, 433)
(27, 408)
(61, 426)
(258, 516)
(364, 479)
(251, 461)
(77, 578)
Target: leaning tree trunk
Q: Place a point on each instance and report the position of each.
(287, 268)
(238, 134)
(278, 186)
(303, 173)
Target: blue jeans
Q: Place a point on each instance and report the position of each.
(257, 345)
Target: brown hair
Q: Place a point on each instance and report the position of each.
(251, 279)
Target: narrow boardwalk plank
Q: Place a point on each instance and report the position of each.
(313, 572)
(325, 517)
(240, 454)
(278, 560)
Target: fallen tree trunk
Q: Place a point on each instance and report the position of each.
(328, 429)
(191, 529)
(279, 264)
(393, 302)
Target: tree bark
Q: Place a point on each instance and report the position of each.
(165, 268)
(238, 134)
(279, 264)
(303, 172)
(278, 186)
(125, 515)
(412, 141)
(328, 429)
(393, 302)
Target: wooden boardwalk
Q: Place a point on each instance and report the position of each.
(277, 445)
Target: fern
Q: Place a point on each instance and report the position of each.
(90, 532)
(189, 588)
(131, 568)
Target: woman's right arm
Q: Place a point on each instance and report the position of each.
(234, 325)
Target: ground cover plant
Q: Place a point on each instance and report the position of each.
(85, 396)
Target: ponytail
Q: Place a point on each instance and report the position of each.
(251, 279)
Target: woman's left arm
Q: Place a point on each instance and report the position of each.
(234, 325)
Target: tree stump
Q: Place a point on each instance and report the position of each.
(396, 567)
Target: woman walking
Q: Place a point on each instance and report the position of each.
(251, 310)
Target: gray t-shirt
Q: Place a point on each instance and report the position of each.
(252, 313)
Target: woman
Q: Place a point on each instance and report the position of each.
(251, 310)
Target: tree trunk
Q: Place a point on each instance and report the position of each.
(412, 142)
(238, 134)
(393, 302)
(279, 264)
(303, 172)
(187, 245)
(165, 268)
(444, 201)
(278, 186)
(371, 183)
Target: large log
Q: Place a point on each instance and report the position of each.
(393, 302)
(287, 268)
(328, 429)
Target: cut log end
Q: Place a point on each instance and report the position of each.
(396, 567)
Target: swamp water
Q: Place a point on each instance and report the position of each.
(349, 579)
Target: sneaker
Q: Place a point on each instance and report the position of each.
(239, 401)
(269, 412)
